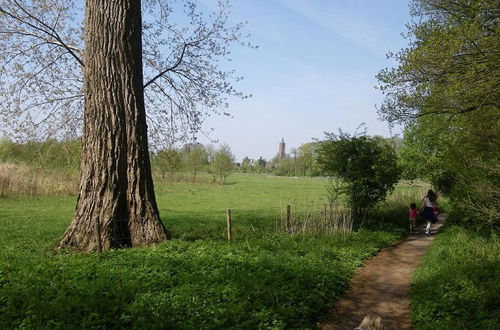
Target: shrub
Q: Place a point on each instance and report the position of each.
(367, 166)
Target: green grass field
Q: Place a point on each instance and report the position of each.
(263, 279)
(198, 210)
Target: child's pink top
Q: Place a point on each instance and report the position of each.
(413, 213)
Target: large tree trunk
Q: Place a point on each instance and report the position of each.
(116, 186)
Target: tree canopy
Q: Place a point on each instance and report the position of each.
(448, 65)
(446, 90)
(184, 48)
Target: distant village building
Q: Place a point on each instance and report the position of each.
(281, 152)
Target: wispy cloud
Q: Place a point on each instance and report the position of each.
(342, 20)
(292, 62)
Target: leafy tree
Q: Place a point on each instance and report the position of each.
(223, 163)
(445, 90)
(261, 164)
(284, 166)
(306, 159)
(449, 65)
(169, 161)
(367, 167)
(194, 158)
(57, 73)
(210, 152)
(301, 161)
(247, 165)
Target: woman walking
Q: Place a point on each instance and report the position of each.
(428, 214)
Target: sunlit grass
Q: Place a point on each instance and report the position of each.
(261, 279)
(458, 283)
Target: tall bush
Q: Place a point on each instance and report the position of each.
(367, 167)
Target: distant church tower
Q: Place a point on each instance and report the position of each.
(281, 152)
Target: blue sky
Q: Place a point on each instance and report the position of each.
(314, 71)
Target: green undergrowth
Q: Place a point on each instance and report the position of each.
(270, 282)
(457, 286)
(261, 281)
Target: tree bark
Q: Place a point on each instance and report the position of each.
(116, 186)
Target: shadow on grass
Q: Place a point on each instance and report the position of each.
(192, 226)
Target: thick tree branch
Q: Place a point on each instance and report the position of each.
(454, 112)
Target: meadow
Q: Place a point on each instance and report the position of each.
(263, 279)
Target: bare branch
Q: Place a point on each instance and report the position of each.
(177, 63)
(45, 29)
(45, 41)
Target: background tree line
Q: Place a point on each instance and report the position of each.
(173, 162)
(169, 163)
(301, 161)
(195, 158)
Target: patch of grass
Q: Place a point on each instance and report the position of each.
(457, 285)
(261, 280)
(279, 282)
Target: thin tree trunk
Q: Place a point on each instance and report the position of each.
(116, 186)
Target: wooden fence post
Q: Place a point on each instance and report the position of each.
(97, 230)
(228, 220)
(288, 217)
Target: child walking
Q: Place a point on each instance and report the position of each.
(412, 216)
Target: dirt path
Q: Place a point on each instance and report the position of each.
(383, 285)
